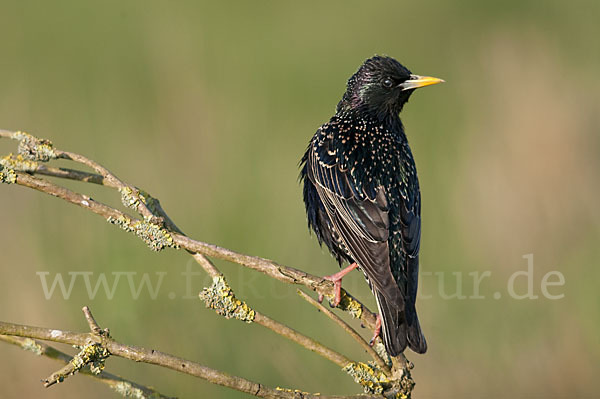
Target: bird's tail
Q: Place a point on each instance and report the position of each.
(400, 327)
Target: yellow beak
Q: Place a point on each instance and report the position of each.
(416, 81)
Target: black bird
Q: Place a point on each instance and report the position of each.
(362, 194)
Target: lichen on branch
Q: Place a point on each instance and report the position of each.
(7, 175)
(158, 231)
(350, 305)
(370, 376)
(219, 296)
(33, 148)
(18, 162)
(157, 238)
(93, 354)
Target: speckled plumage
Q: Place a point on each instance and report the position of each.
(362, 194)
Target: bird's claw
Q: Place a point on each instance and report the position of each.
(336, 279)
(377, 331)
(337, 289)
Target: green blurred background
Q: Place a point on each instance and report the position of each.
(209, 106)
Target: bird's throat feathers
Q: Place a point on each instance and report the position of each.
(354, 107)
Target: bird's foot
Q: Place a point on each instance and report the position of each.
(337, 284)
(337, 289)
(377, 331)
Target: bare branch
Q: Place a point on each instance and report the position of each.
(92, 354)
(149, 356)
(303, 340)
(280, 272)
(71, 174)
(159, 231)
(94, 327)
(104, 210)
(207, 265)
(121, 385)
(351, 331)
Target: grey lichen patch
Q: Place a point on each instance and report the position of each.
(134, 198)
(18, 162)
(123, 222)
(406, 383)
(131, 199)
(92, 354)
(379, 348)
(219, 296)
(7, 175)
(127, 390)
(156, 237)
(33, 148)
(297, 392)
(30, 345)
(350, 305)
(370, 376)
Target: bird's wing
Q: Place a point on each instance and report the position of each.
(359, 217)
(405, 257)
(409, 223)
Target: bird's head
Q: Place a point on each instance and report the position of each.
(381, 87)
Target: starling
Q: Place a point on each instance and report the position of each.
(362, 197)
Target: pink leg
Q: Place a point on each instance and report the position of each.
(377, 331)
(337, 282)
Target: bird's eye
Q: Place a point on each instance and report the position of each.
(388, 83)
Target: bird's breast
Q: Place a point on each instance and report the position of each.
(372, 155)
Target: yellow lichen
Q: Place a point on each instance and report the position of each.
(7, 175)
(131, 199)
(219, 296)
(350, 305)
(374, 380)
(406, 383)
(18, 162)
(93, 354)
(156, 237)
(370, 376)
(33, 148)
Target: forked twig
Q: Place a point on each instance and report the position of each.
(138, 354)
(159, 231)
(351, 331)
(120, 385)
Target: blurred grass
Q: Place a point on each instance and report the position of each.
(209, 106)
